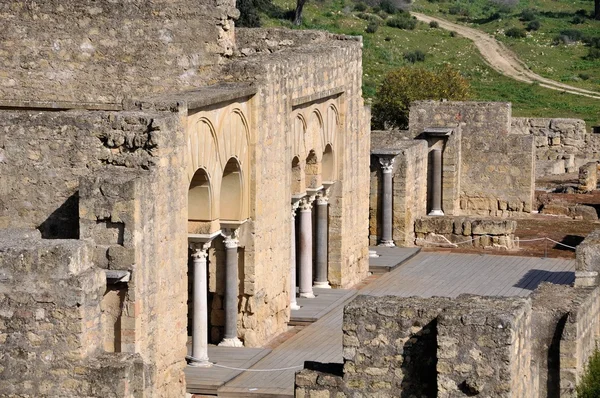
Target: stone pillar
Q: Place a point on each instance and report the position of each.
(293, 303)
(436, 183)
(387, 239)
(305, 243)
(322, 230)
(231, 289)
(200, 315)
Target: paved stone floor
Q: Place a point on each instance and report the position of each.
(425, 275)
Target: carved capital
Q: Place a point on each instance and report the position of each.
(200, 250)
(323, 197)
(295, 206)
(306, 203)
(231, 238)
(387, 163)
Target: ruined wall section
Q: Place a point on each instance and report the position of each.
(497, 168)
(561, 145)
(285, 80)
(104, 51)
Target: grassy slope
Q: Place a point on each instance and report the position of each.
(384, 50)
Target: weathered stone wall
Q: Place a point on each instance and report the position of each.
(587, 260)
(588, 177)
(104, 51)
(468, 346)
(409, 192)
(468, 232)
(561, 144)
(496, 168)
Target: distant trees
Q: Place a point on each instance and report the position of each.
(402, 86)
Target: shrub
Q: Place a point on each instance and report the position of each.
(452, 33)
(402, 22)
(382, 14)
(533, 25)
(402, 86)
(581, 12)
(589, 385)
(434, 24)
(593, 55)
(528, 15)
(388, 6)
(572, 34)
(372, 27)
(515, 33)
(584, 76)
(414, 56)
(360, 7)
(577, 20)
(459, 9)
(592, 41)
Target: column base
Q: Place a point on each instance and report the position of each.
(234, 342)
(307, 295)
(200, 364)
(373, 254)
(387, 243)
(436, 213)
(322, 285)
(294, 306)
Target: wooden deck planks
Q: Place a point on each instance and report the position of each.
(313, 309)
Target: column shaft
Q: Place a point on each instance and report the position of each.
(293, 303)
(230, 338)
(436, 183)
(305, 252)
(387, 238)
(200, 314)
(321, 241)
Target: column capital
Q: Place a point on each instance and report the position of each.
(307, 202)
(199, 249)
(230, 236)
(387, 163)
(323, 197)
(295, 206)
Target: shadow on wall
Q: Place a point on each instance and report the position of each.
(534, 277)
(421, 374)
(63, 223)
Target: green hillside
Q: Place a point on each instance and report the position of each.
(390, 47)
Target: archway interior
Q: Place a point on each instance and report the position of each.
(328, 164)
(313, 171)
(199, 197)
(231, 192)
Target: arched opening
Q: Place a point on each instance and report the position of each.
(199, 197)
(313, 171)
(328, 164)
(231, 192)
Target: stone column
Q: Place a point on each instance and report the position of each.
(322, 229)
(231, 289)
(200, 315)
(387, 239)
(436, 183)
(293, 303)
(305, 243)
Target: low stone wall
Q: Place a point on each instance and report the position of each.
(483, 233)
(534, 347)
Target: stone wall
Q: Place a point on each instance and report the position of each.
(467, 232)
(409, 192)
(587, 260)
(104, 51)
(562, 145)
(588, 177)
(501, 185)
(468, 346)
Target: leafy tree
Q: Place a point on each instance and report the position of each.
(298, 13)
(402, 86)
(597, 9)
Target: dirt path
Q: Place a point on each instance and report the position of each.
(502, 59)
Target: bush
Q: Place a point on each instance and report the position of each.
(533, 25)
(592, 41)
(584, 76)
(414, 56)
(402, 86)
(434, 24)
(372, 27)
(452, 33)
(402, 22)
(459, 9)
(388, 6)
(516, 33)
(572, 34)
(581, 12)
(577, 20)
(360, 7)
(589, 385)
(593, 55)
(383, 15)
(528, 15)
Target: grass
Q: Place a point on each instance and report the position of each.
(384, 50)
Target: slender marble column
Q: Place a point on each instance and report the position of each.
(200, 315)
(321, 241)
(387, 164)
(305, 243)
(293, 303)
(436, 183)
(231, 289)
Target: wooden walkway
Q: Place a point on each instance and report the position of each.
(390, 258)
(425, 275)
(311, 310)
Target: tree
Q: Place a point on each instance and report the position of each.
(298, 13)
(597, 9)
(402, 86)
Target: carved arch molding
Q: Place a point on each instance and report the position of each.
(315, 128)
(216, 138)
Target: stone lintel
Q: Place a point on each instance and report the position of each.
(438, 131)
(321, 95)
(115, 276)
(58, 105)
